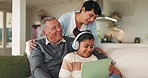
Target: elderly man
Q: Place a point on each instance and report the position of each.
(46, 57)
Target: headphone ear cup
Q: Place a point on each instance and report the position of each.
(75, 45)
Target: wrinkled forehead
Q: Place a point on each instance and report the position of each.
(52, 22)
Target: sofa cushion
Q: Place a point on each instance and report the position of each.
(14, 67)
(132, 62)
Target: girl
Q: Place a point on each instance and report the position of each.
(71, 66)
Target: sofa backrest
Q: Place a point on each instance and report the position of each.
(132, 62)
(14, 67)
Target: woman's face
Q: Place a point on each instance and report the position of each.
(88, 16)
(86, 47)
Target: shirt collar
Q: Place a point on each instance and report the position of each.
(83, 27)
(47, 41)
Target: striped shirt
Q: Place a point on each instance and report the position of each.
(71, 66)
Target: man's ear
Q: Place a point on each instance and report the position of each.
(43, 32)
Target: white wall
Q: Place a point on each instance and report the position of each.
(137, 24)
(57, 10)
(107, 9)
(60, 10)
(29, 22)
(5, 6)
(134, 25)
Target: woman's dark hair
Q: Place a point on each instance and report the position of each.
(86, 36)
(89, 5)
(76, 32)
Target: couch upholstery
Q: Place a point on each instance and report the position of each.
(14, 67)
(131, 59)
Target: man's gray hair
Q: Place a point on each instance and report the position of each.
(43, 22)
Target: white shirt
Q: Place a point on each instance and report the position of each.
(72, 26)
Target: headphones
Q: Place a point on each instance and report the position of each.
(75, 44)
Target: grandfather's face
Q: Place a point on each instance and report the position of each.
(53, 31)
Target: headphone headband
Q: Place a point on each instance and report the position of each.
(75, 44)
(81, 34)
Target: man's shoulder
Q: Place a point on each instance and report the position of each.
(69, 42)
(40, 40)
(40, 43)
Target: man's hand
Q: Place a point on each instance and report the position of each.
(114, 70)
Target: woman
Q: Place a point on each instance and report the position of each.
(71, 66)
(82, 20)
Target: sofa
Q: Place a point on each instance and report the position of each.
(14, 67)
(130, 59)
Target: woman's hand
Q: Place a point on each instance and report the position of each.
(114, 70)
(101, 51)
(31, 44)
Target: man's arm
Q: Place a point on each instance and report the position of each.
(101, 51)
(39, 69)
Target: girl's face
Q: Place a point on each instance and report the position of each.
(88, 16)
(86, 47)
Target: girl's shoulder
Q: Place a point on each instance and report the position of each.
(70, 56)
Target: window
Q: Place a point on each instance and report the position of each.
(8, 29)
(1, 27)
(5, 29)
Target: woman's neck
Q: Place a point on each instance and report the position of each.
(78, 20)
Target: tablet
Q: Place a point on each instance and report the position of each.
(96, 69)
